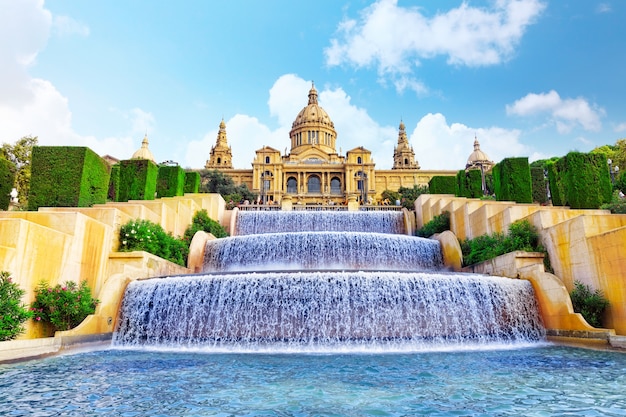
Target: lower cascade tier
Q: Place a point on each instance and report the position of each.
(324, 309)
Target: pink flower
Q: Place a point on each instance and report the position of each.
(38, 318)
(64, 288)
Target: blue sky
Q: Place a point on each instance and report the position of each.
(536, 78)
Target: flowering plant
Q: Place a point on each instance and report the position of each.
(63, 306)
(13, 313)
(144, 235)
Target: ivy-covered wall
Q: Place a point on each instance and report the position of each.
(440, 184)
(67, 176)
(170, 181)
(469, 183)
(192, 182)
(582, 180)
(138, 179)
(512, 181)
(7, 179)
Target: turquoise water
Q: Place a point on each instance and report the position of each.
(539, 381)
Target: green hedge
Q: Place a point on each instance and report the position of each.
(469, 183)
(7, 179)
(192, 182)
(557, 194)
(512, 180)
(114, 183)
(138, 179)
(67, 176)
(581, 180)
(539, 185)
(440, 184)
(170, 181)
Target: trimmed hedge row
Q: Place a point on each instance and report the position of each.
(469, 184)
(170, 181)
(67, 176)
(539, 185)
(511, 178)
(138, 179)
(440, 184)
(192, 182)
(7, 179)
(580, 181)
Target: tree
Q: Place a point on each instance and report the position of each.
(21, 155)
(409, 195)
(216, 182)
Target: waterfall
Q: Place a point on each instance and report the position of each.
(322, 310)
(319, 281)
(259, 222)
(322, 250)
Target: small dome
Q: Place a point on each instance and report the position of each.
(144, 152)
(478, 157)
(312, 113)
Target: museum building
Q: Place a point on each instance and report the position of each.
(313, 172)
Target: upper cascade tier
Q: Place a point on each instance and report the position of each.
(259, 222)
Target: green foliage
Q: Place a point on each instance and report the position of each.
(192, 182)
(137, 180)
(114, 183)
(585, 180)
(13, 313)
(440, 184)
(7, 179)
(591, 304)
(21, 155)
(469, 183)
(521, 236)
(67, 176)
(557, 193)
(202, 221)
(144, 235)
(539, 185)
(409, 195)
(438, 224)
(620, 181)
(170, 181)
(390, 197)
(64, 306)
(512, 181)
(617, 204)
(216, 182)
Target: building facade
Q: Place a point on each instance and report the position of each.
(313, 172)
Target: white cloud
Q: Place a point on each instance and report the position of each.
(66, 26)
(564, 113)
(439, 145)
(620, 128)
(604, 8)
(34, 107)
(395, 39)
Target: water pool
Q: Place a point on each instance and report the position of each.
(539, 381)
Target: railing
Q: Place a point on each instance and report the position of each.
(256, 207)
(315, 207)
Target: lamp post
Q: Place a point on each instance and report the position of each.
(610, 162)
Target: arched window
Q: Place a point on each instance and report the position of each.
(267, 159)
(292, 185)
(314, 184)
(406, 161)
(335, 186)
(359, 160)
(219, 161)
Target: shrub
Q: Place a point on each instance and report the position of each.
(617, 204)
(438, 224)
(522, 236)
(591, 304)
(202, 221)
(144, 235)
(512, 180)
(13, 313)
(64, 306)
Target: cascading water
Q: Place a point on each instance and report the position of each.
(326, 290)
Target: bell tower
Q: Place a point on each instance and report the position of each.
(403, 154)
(221, 154)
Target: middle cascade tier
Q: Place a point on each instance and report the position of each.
(322, 251)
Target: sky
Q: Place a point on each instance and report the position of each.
(527, 78)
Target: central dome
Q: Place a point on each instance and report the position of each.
(313, 127)
(312, 113)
